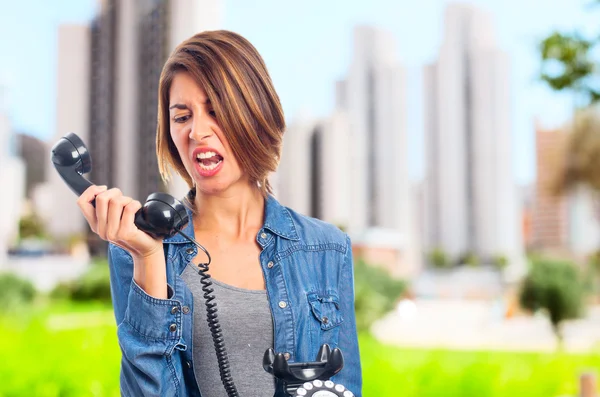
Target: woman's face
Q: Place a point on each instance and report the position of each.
(205, 152)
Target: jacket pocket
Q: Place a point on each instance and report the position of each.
(326, 310)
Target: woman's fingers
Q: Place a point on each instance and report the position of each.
(102, 204)
(113, 220)
(85, 204)
(127, 221)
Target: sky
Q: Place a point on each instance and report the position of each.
(307, 47)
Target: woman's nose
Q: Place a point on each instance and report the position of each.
(201, 129)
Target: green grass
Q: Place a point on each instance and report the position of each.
(71, 350)
(427, 373)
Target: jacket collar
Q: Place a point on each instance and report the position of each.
(277, 219)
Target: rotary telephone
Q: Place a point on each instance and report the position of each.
(163, 216)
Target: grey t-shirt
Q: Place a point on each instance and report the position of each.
(247, 326)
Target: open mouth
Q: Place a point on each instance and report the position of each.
(208, 160)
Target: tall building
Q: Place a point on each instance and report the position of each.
(313, 176)
(108, 82)
(470, 193)
(293, 174)
(372, 96)
(131, 41)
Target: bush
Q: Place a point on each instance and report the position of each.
(14, 291)
(376, 293)
(556, 287)
(438, 258)
(94, 285)
(469, 259)
(500, 261)
(32, 226)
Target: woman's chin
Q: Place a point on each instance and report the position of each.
(219, 187)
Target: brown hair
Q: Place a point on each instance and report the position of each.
(236, 81)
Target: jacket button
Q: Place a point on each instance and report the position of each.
(263, 235)
(189, 364)
(186, 310)
(325, 320)
(173, 327)
(282, 304)
(286, 355)
(270, 264)
(189, 251)
(174, 310)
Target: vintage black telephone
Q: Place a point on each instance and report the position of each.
(164, 216)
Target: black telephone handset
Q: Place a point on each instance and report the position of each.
(162, 215)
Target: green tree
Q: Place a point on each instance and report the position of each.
(555, 287)
(568, 65)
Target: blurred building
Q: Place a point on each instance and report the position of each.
(373, 97)
(131, 41)
(36, 156)
(293, 174)
(108, 82)
(470, 193)
(53, 201)
(350, 168)
(563, 222)
(313, 176)
(12, 174)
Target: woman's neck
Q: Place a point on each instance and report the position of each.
(232, 213)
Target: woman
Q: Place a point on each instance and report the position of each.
(281, 280)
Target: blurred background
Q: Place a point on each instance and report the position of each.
(458, 144)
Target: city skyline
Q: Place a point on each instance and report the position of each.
(370, 117)
(326, 46)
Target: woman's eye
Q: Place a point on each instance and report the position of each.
(212, 113)
(181, 119)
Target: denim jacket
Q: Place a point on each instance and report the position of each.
(308, 271)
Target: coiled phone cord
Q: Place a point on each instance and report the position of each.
(213, 321)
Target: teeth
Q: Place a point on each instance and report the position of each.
(205, 155)
(210, 167)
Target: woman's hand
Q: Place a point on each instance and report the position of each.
(113, 220)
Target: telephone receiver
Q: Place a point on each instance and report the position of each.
(161, 216)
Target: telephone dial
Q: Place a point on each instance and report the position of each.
(163, 216)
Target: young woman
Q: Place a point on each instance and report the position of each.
(281, 280)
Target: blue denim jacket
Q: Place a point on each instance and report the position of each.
(308, 270)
